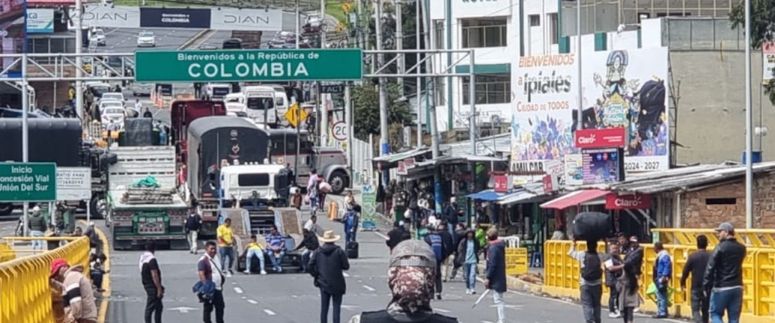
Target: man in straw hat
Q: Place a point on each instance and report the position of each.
(327, 266)
(411, 279)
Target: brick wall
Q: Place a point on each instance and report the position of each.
(45, 93)
(697, 213)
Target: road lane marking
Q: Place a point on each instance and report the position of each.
(251, 301)
(369, 288)
(269, 312)
(381, 235)
(238, 290)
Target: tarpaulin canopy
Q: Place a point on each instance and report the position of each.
(574, 198)
(486, 195)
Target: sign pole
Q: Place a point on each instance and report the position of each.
(25, 131)
(78, 61)
(348, 112)
(748, 122)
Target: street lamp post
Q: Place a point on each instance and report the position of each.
(748, 122)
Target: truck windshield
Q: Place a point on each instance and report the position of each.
(253, 180)
(260, 103)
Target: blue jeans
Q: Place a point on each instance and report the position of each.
(223, 253)
(276, 259)
(470, 276)
(249, 257)
(37, 244)
(730, 300)
(661, 299)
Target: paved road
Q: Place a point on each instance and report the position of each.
(290, 298)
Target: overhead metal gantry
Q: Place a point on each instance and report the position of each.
(63, 67)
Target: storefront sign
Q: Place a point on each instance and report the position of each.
(174, 18)
(549, 183)
(40, 21)
(599, 138)
(574, 169)
(401, 168)
(627, 202)
(603, 166)
(501, 183)
(409, 163)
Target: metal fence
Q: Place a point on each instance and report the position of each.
(362, 153)
(702, 34)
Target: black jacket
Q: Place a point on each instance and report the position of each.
(725, 266)
(462, 247)
(193, 223)
(696, 265)
(384, 317)
(496, 266)
(310, 242)
(633, 262)
(326, 266)
(450, 214)
(397, 235)
(612, 276)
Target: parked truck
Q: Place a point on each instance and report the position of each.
(330, 162)
(136, 212)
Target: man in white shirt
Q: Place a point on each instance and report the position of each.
(209, 272)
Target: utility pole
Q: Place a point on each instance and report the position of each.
(431, 106)
(298, 106)
(748, 122)
(25, 129)
(79, 60)
(400, 43)
(383, 109)
(348, 119)
(323, 24)
(361, 38)
(448, 45)
(579, 124)
(418, 90)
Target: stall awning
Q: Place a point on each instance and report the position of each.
(574, 198)
(395, 157)
(486, 195)
(521, 196)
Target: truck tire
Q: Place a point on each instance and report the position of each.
(98, 207)
(6, 208)
(339, 181)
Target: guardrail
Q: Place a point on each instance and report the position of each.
(6, 253)
(755, 238)
(25, 295)
(561, 278)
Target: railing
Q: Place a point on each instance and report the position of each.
(6, 253)
(561, 278)
(25, 295)
(753, 238)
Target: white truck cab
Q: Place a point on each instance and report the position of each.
(238, 182)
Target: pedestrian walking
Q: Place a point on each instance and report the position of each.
(590, 281)
(36, 223)
(210, 286)
(192, 226)
(78, 299)
(313, 192)
(310, 244)
(663, 270)
(724, 276)
(326, 267)
(151, 278)
(96, 270)
(695, 266)
(398, 234)
(411, 281)
(496, 271)
(613, 270)
(629, 299)
(451, 214)
(435, 239)
(324, 188)
(276, 249)
(254, 249)
(226, 246)
(468, 256)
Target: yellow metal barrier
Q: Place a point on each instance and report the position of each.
(561, 278)
(516, 261)
(25, 295)
(6, 253)
(755, 238)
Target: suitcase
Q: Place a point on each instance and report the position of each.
(352, 250)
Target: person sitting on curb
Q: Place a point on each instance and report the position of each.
(254, 249)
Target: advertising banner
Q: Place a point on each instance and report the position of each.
(599, 138)
(246, 19)
(628, 88)
(97, 15)
(541, 127)
(768, 61)
(602, 166)
(40, 21)
(574, 169)
(174, 18)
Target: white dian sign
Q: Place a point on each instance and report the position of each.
(73, 183)
(246, 19)
(97, 15)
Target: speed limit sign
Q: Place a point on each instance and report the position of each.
(339, 131)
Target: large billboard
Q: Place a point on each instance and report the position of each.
(99, 15)
(623, 88)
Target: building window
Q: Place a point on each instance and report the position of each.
(490, 89)
(479, 33)
(553, 28)
(535, 20)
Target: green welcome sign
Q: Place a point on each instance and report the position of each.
(249, 65)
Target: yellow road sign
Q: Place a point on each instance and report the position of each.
(292, 115)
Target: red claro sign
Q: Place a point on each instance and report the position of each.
(627, 202)
(501, 183)
(599, 138)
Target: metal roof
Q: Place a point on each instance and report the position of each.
(395, 157)
(686, 178)
(500, 143)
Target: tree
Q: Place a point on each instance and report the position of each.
(366, 107)
(762, 29)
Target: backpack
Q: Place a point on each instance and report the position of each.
(592, 267)
(437, 244)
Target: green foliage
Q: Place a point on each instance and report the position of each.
(366, 111)
(762, 29)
